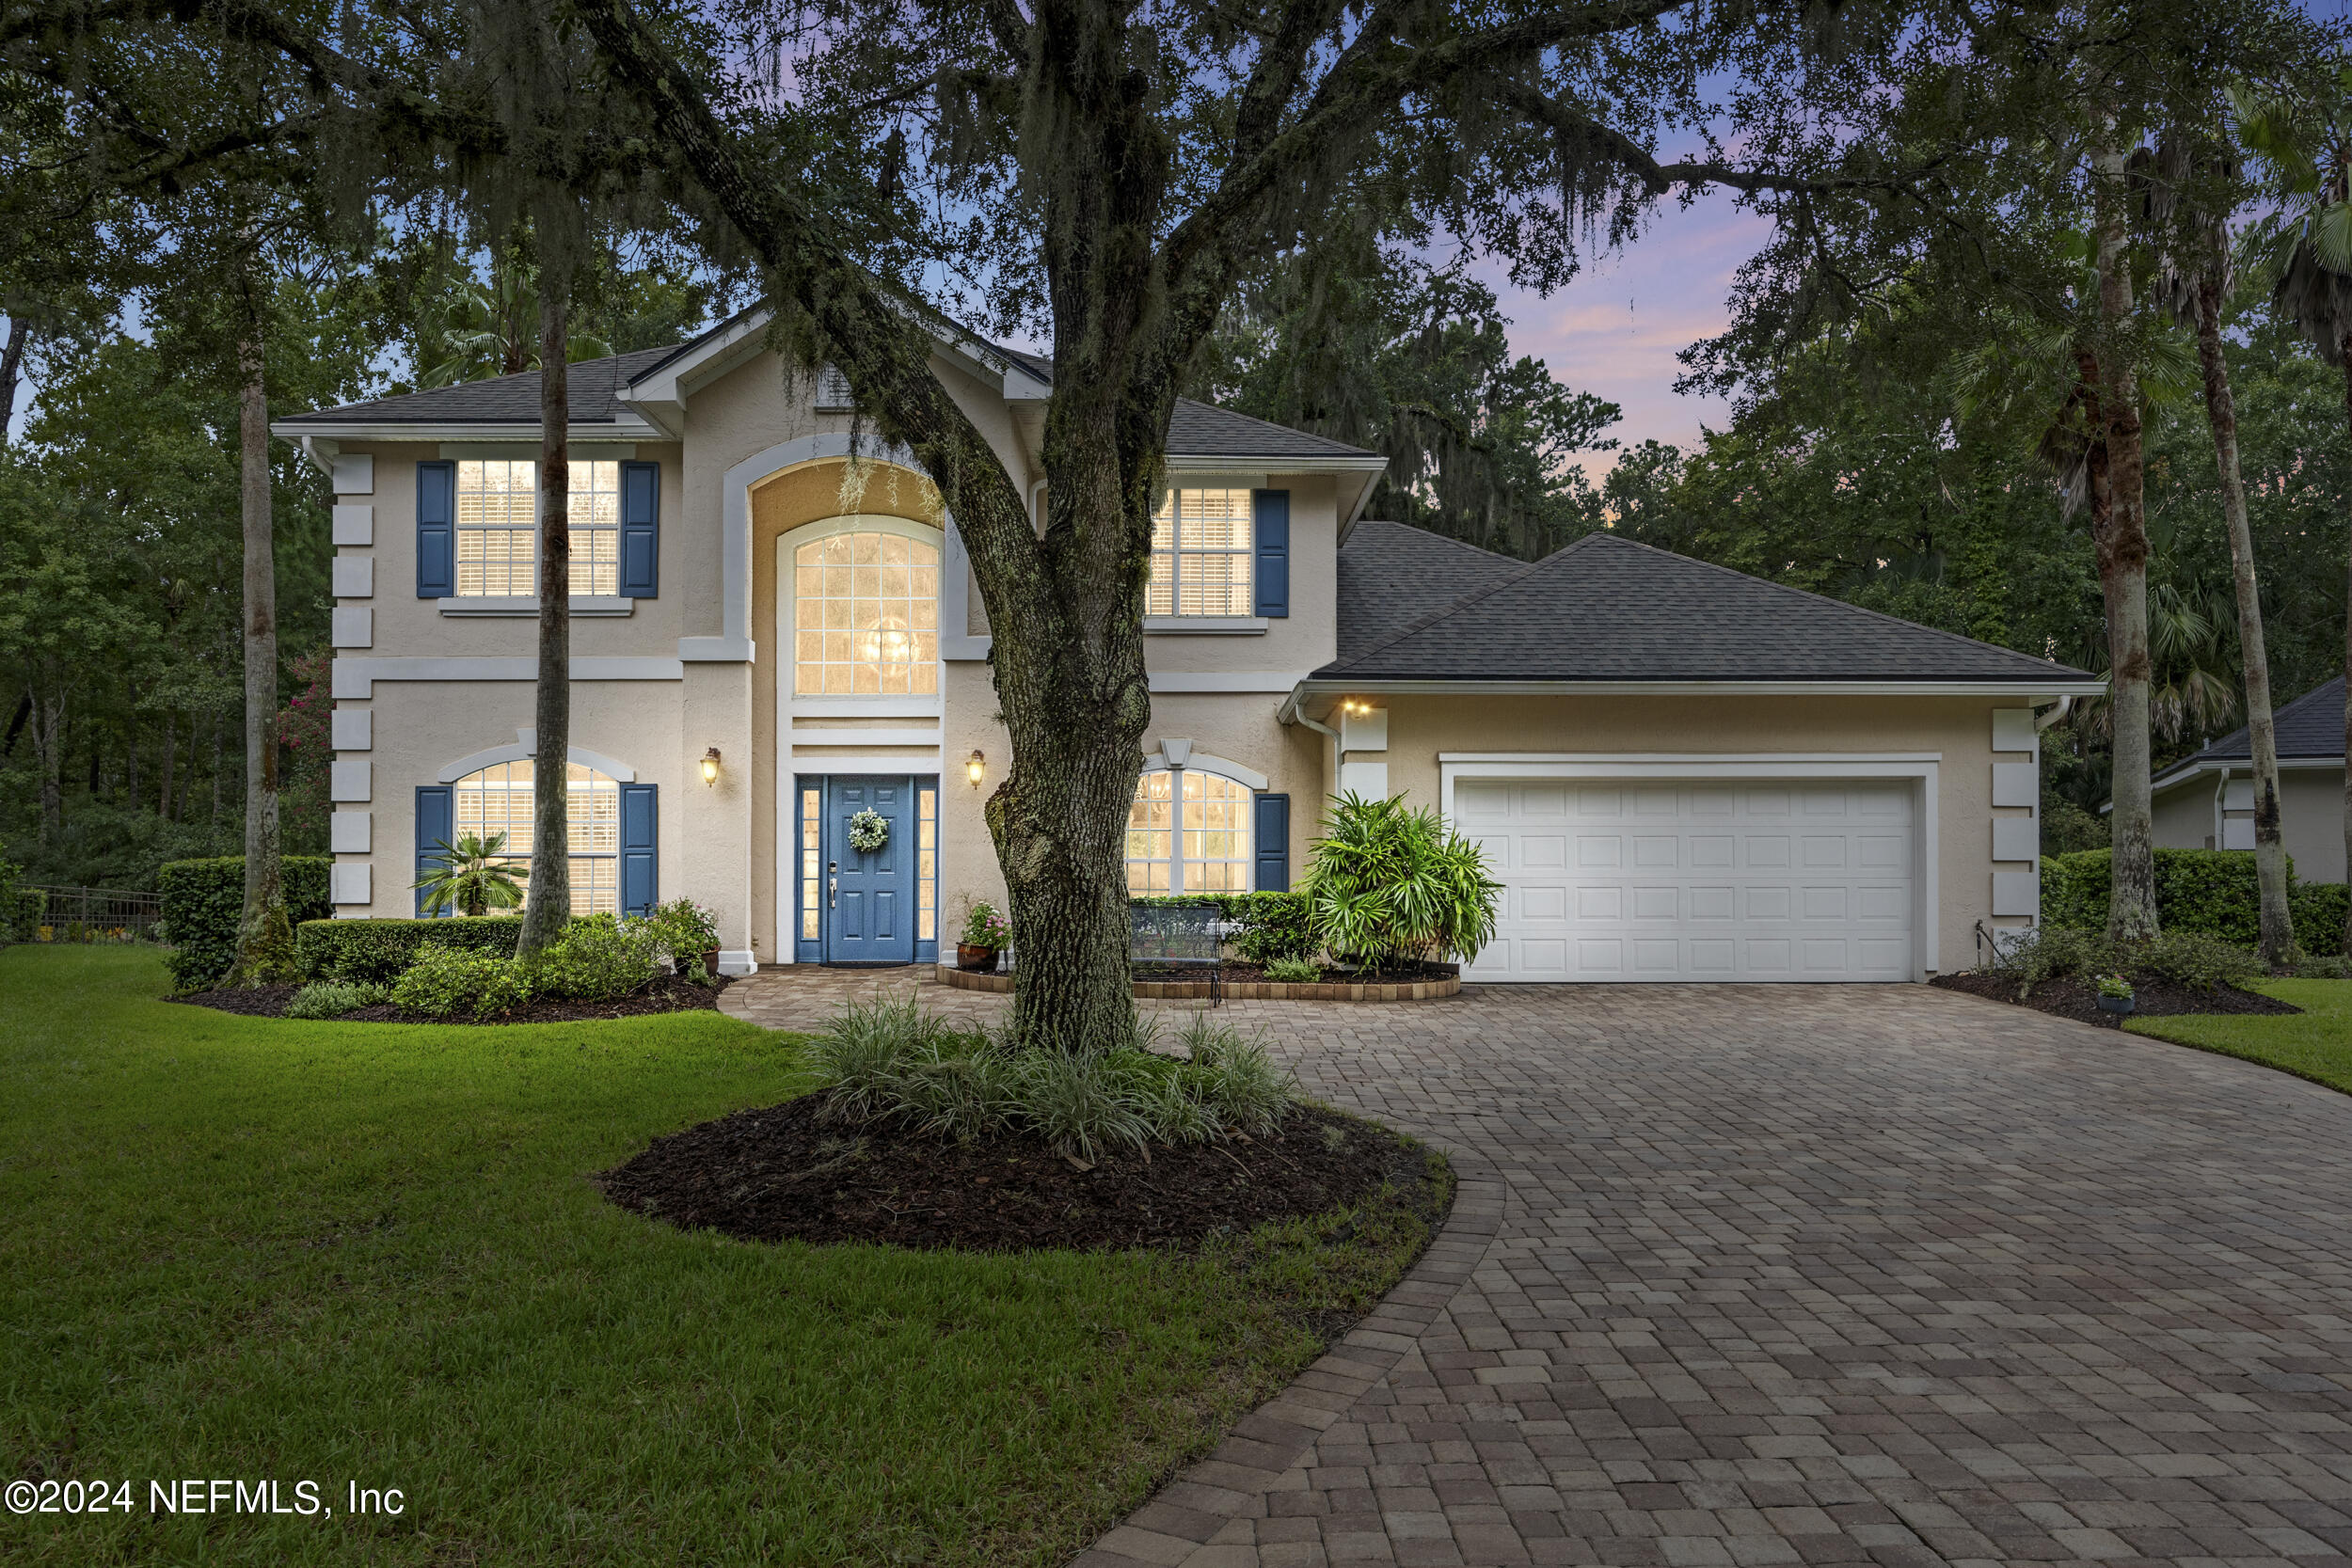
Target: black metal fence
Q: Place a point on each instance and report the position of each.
(87, 915)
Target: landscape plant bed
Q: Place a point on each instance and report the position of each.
(670, 993)
(783, 1173)
(2153, 997)
(1248, 983)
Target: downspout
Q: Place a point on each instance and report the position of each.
(1290, 710)
(2055, 716)
(2221, 809)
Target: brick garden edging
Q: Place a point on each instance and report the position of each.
(1238, 991)
(1187, 1514)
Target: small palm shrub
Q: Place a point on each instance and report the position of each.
(471, 875)
(1294, 972)
(333, 999)
(891, 1064)
(1387, 883)
(447, 981)
(599, 958)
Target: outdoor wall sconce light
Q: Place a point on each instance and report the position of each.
(711, 767)
(976, 769)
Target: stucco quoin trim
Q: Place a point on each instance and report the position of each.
(1924, 767)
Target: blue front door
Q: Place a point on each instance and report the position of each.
(870, 895)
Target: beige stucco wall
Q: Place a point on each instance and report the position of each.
(2311, 817)
(1957, 731)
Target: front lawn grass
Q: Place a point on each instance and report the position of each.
(266, 1249)
(2315, 1043)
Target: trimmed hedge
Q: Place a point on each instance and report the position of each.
(1266, 924)
(204, 901)
(2213, 893)
(378, 952)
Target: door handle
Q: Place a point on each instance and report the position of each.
(833, 891)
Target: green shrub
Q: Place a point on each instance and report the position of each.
(2184, 957)
(2212, 892)
(2200, 962)
(2324, 966)
(446, 981)
(891, 1063)
(1265, 925)
(203, 902)
(333, 999)
(1294, 972)
(683, 929)
(378, 952)
(599, 958)
(1386, 882)
(2319, 908)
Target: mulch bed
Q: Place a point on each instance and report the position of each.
(669, 994)
(2154, 997)
(781, 1173)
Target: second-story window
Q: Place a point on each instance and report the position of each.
(498, 528)
(866, 616)
(1200, 542)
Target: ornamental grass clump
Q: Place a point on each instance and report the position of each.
(889, 1064)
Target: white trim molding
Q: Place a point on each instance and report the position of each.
(521, 608)
(1310, 689)
(526, 746)
(1922, 766)
(735, 559)
(1176, 756)
(355, 678)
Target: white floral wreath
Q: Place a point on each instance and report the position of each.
(870, 829)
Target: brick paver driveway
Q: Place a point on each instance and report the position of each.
(1757, 1275)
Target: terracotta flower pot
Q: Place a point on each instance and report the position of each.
(711, 961)
(980, 960)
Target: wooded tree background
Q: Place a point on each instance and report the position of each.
(1880, 454)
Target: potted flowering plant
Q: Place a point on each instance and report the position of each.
(2116, 995)
(986, 933)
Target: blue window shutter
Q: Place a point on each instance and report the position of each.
(1271, 509)
(437, 530)
(640, 856)
(641, 530)
(1273, 836)
(437, 824)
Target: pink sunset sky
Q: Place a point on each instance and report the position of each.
(1615, 330)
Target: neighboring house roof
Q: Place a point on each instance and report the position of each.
(1606, 609)
(501, 400)
(1393, 574)
(2310, 726)
(1195, 430)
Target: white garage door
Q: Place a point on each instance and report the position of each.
(1752, 880)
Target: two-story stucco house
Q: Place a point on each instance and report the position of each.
(1681, 774)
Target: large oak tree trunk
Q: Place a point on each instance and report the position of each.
(548, 900)
(2270, 855)
(2344, 357)
(11, 367)
(2122, 553)
(264, 937)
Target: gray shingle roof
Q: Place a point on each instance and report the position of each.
(2310, 726)
(1393, 574)
(1605, 608)
(501, 400)
(1195, 430)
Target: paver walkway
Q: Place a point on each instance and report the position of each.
(1764, 1275)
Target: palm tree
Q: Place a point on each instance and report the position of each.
(2306, 253)
(2192, 182)
(490, 328)
(471, 874)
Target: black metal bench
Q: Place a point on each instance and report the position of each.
(1178, 936)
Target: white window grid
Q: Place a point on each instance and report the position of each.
(499, 800)
(866, 616)
(498, 528)
(1188, 832)
(1201, 544)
